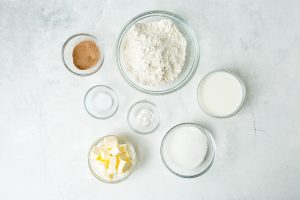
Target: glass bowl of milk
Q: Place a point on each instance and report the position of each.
(221, 93)
(188, 150)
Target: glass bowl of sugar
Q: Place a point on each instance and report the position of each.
(188, 150)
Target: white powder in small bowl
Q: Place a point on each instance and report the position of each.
(154, 52)
(144, 117)
(186, 147)
(102, 101)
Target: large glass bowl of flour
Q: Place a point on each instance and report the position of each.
(163, 54)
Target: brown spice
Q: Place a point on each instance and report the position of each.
(86, 54)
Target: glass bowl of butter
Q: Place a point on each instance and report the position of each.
(111, 159)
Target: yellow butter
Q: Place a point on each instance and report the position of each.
(124, 166)
(112, 159)
(110, 142)
(123, 147)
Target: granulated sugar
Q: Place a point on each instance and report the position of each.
(187, 147)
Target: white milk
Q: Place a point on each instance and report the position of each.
(186, 147)
(220, 94)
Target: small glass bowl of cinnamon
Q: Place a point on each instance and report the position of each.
(82, 54)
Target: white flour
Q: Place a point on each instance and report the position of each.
(154, 52)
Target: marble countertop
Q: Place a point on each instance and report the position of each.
(45, 132)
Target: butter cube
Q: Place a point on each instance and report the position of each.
(110, 142)
(124, 166)
(104, 154)
(96, 150)
(104, 162)
(123, 147)
(112, 169)
(114, 151)
(123, 156)
(100, 167)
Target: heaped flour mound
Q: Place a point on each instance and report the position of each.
(154, 52)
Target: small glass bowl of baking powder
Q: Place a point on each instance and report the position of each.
(191, 58)
(143, 117)
(67, 54)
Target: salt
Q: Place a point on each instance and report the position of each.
(102, 101)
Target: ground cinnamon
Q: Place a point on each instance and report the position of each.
(86, 54)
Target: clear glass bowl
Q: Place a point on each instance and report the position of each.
(121, 140)
(98, 109)
(67, 54)
(204, 165)
(242, 101)
(192, 52)
(133, 113)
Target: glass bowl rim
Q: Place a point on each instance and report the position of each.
(114, 100)
(187, 28)
(158, 115)
(243, 89)
(211, 141)
(133, 165)
(99, 44)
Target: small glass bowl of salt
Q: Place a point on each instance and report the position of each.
(101, 102)
(143, 117)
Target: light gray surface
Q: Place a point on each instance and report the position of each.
(45, 132)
